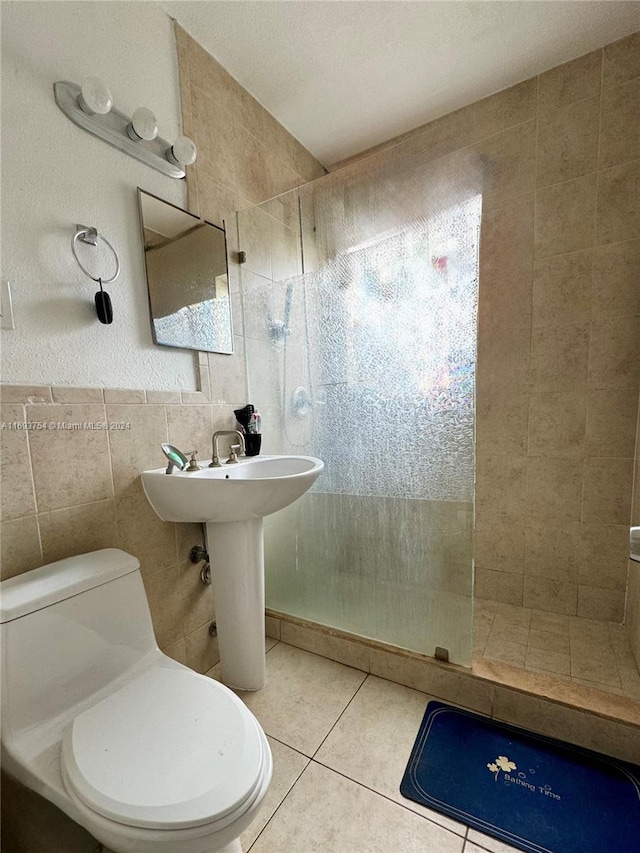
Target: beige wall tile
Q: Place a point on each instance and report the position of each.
(568, 142)
(565, 217)
(202, 649)
(620, 129)
(562, 289)
(272, 627)
(280, 177)
(614, 352)
(552, 551)
(500, 546)
(285, 252)
(190, 428)
(622, 60)
(611, 423)
(70, 466)
(503, 364)
(616, 273)
(124, 395)
(554, 489)
(209, 76)
(505, 302)
(197, 599)
(255, 240)
(603, 556)
(218, 202)
(26, 394)
(552, 623)
(329, 646)
(144, 535)
(607, 491)
(506, 243)
(78, 530)
(228, 376)
(501, 424)
(77, 395)
(214, 138)
(557, 424)
(559, 358)
(17, 492)
(618, 203)
(551, 595)
(507, 164)
(570, 82)
(136, 449)
(164, 592)
(501, 482)
(251, 159)
(161, 398)
(19, 546)
(177, 651)
(597, 603)
(505, 587)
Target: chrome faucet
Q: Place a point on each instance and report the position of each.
(233, 456)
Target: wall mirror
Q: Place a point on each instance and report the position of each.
(187, 277)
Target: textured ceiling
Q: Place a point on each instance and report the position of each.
(342, 76)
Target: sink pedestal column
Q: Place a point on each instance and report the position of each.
(236, 553)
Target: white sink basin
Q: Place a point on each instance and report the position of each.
(252, 488)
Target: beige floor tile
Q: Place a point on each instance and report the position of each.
(602, 670)
(547, 661)
(515, 615)
(303, 697)
(373, 739)
(508, 631)
(477, 842)
(596, 685)
(287, 767)
(511, 653)
(549, 641)
(553, 623)
(326, 813)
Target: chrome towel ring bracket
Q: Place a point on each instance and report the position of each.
(90, 235)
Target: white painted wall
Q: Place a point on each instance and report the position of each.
(54, 175)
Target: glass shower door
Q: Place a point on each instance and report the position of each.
(360, 331)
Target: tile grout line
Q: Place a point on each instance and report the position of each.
(390, 799)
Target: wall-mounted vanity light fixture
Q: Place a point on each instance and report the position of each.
(90, 106)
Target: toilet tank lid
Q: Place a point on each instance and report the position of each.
(55, 582)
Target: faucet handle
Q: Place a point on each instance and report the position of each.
(193, 464)
(233, 456)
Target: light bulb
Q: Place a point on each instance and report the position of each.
(95, 97)
(183, 152)
(143, 125)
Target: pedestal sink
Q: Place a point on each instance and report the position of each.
(232, 501)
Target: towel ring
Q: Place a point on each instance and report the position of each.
(91, 236)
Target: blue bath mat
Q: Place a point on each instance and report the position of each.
(534, 793)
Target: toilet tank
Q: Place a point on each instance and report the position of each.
(69, 629)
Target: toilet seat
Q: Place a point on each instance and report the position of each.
(169, 750)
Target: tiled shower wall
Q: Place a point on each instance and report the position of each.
(559, 328)
(67, 491)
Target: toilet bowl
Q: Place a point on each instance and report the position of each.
(141, 751)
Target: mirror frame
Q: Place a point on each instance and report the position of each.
(197, 219)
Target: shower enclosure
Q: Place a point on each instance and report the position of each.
(359, 295)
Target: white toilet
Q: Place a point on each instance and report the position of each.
(144, 753)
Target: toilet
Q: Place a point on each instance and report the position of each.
(141, 751)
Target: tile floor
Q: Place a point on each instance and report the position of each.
(340, 740)
(584, 651)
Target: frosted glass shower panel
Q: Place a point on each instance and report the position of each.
(367, 359)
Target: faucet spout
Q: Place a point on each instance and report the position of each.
(215, 460)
